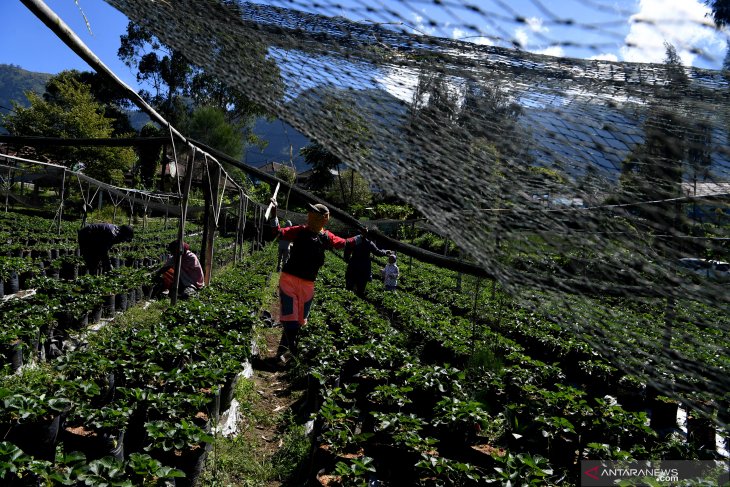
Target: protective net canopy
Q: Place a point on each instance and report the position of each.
(578, 185)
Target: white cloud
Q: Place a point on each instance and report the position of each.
(458, 33)
(551, 51)
(421, 26)
(683, 23)
(604, 56)
(521, 37)
(484, 41)
(535, 25)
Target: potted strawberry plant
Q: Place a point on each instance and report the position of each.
(32, 421)
(180, 444)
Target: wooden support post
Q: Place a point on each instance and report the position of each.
(60, 207)
(244, 215)
(181, 227)
(212, 190)
(474, 315)
(255, 240)
(237, 243)
(10, 186)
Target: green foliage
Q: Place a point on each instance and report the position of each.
(107, 93)
(175, 80)
(322, 162)
(181, 435)
(356, 472)
(435, 243)
(523, 469)
(390, 211)
(15, 82)
(151, 470)
(70, 111)
(349, 189)
(13, 265)
(720, 11)
(286, 174)
(210, 125)
(446, 471)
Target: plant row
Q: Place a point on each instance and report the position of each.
(133, 405)
(413, 394)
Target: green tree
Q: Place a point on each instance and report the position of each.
(323, 162)
(178, 87)
(69, 110)
(165, 70)
(350, 191)
(720, 11)
(286, 174)
(352, 136)
(107, 93)
(149, 156)
(211, 126)
(653, 171)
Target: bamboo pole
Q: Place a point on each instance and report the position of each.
(181, 226)
(211, 198)
(60, 208)
(474, 314)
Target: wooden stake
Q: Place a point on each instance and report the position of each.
(181, 228)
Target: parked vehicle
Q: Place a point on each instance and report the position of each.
(711, 269)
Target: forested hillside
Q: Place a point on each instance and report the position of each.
(15, 81)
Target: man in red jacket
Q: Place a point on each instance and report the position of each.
(296, 284)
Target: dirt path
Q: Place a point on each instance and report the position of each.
(271, 448)
(275, 399)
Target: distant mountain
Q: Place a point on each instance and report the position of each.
(14, 82)
(138, 119)
(280, 136)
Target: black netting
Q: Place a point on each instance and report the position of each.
(577, 184)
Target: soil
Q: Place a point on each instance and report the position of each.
(271, 383)
(80, 431)
(273, 388)
(264, 422)
(489, 450)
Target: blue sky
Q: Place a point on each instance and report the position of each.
(602, 29)
(28, 43)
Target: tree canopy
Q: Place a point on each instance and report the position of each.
(69, 110)
(181, 90)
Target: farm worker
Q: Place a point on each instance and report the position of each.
(390, 274)
(95, 241)
(359, 268)
(296, 283)
(191, 272)
(284, 249)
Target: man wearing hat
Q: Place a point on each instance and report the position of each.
(296, 283)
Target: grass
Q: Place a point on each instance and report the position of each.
(247, 460)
